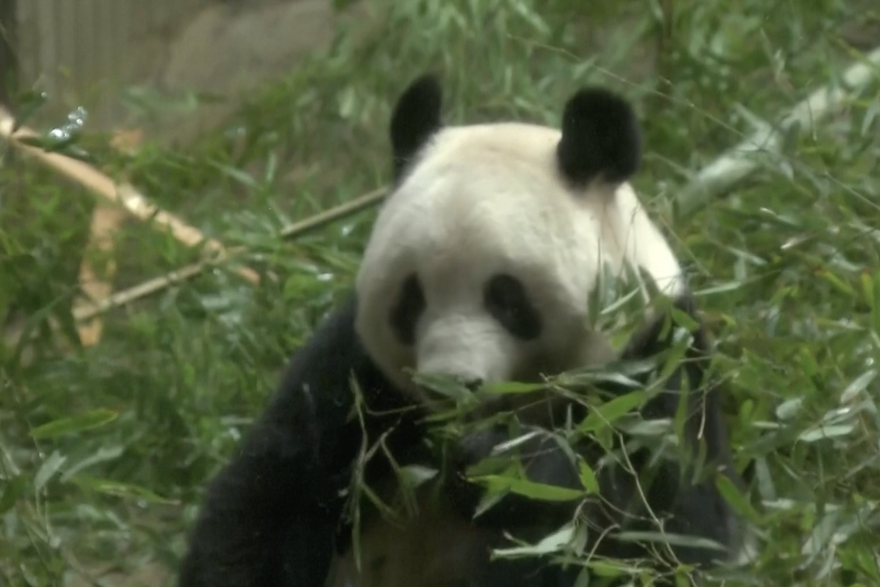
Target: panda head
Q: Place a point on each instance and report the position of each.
(482, 260)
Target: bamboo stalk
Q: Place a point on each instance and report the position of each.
(97, 284)
(123, 194)
(322, 218)
(161, 282)
(138, 291)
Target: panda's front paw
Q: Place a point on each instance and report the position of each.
(477, 446)
(468, 452)
(484, 453)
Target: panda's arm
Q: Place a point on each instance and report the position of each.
(695, 509)
(543, 461)
(691, 509)
(269, 517)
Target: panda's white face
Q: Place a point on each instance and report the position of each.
(482, 261)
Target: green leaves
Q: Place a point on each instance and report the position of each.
(114, 444)
(606, 414)
(50, 467)
(123, 490)
(543, 492)
(74, 424)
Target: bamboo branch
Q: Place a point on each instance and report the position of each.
(322, 218)
(123, 194)
(106, 220)
(738, 162)
(96, 284)
(136, 204)
(294, 230)
(139, 291)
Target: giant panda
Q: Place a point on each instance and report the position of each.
(479, 266)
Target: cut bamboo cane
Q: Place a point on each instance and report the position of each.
(123, 194)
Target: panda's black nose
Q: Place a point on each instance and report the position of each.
(471, 384)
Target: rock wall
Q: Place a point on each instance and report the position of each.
(223, 47)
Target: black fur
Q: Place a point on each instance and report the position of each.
(271, 518)
(415, 119)
(600, 138)
(506, 298)
(692, 509)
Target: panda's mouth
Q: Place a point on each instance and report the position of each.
(474, 400)
(444, 387)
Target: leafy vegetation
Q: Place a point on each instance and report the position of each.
(105, 450)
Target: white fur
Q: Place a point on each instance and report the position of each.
(486, 199)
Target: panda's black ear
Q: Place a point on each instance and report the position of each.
(601, 139)
(415, 118)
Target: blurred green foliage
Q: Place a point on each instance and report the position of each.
(104, 451)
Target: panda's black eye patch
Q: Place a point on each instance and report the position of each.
(506, 300)
(406, 311)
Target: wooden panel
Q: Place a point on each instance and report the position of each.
(72, 45)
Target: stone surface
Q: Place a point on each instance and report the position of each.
(222, 47)
(227, 49)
